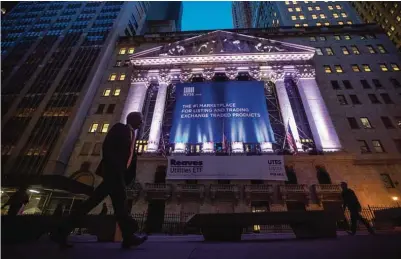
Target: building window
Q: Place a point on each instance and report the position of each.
(395, 67)
(388, 183)
(330, 7)
(335, 85)
(387, 122)
(383, 67)
(363, 146)
(386, 99)
(297, 25)
(344, 50)
(338, 69)
(338, 7)
(355, 68)
(373, 98)
(287, 2)
(302, 17)
(397, 143)
(122, 77)
(377, 146)
(131, 50)
(298, 9)
(290, 10)
(381, 49)
(93, 127)
(347, 37)
(110, 108)
(322, 38)
(105, 127)
(314, 16)
(312, 38)
(344, 15)
(355, 50)
(122, 51)
(377, 83)
(317, 8)
(354, 99)
(365, 84)
(305, 25)
(85, 149)
(322, 16)
(310, 8)
(353, 123)
(366, 123)
(97, 149)
(318, 24)
(341, 99)
(340, 23)
(347, 84)
(337, 37)
(398, 18)
(327, 69)
(117, 92)
(366, 68)
(293, 17)
(100, 108)
(371, 49)
(112, 77)
(326, 24)
(319, 51)
(392, 28)
(395, 83)
(335, 15)
(118, 63)
(106, 92)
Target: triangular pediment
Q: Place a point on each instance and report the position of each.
(222, 43)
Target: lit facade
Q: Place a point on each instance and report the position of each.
(386, 14)
(338, 89)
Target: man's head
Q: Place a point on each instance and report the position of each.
(134, 119)
(344, 185)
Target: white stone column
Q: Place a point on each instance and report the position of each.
(135, 99)
(322, 127)
(157, 119)
(286, 111)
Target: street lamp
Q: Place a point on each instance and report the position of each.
(395, 198)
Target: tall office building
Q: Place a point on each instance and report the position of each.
(242, 14)
(53, 57)
(385, 14)
(296, 13)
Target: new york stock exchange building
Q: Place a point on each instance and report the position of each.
(250, 120)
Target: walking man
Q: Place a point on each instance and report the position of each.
(118, 168)
(352, 203)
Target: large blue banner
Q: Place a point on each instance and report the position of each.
(212, 111)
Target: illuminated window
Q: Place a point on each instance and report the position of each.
(398, 18)
(371, 49)
(330, 7)
(389, 34)
(301, 17)
(355, 50)
(297, 25)
(326, 24)
(287, 2)
(385, 20)
(377, 146)
(310, 8)
(93, 127)
(105, 128)
(337, 37)
(349, 22)
(395, 67)
(314, 16)
(290, 10)
(338, 69)
(329, 51)
(340, 23)
(112, 77)
(338, 7)
(366, 123)
(318, 24)
(322, 38)
(131, 50)
(306, 2)
(118, 63)
(392, 28)
(106, 92)
(122, 51)
(391, 11)
(319, 51)
(305, 25)
(317, 8)
(366, 68)
(312, 38)
(298, 9)
(335, 15)
(383, 67)
(347, 37)
(294, 2)
(117, 92)
(322, 16)
(327, 69)
(343, 15)
(355, 68)
(363, 146)
(381, 49)
(293, 17)
(122, 76)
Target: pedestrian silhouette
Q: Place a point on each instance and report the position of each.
(352, 203)
(16, 202)
(104, 210)
(118, 168)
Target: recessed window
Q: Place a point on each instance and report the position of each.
(86, 147)
(306, 25)
(327, 69)
(112, 77)
(314, 16)
(353, 123)
(122, 51)
(302, 17)
(389, 33)
(338, 7)
(335, 15)
(297, 25)
(366, 68)
(386, 98)
(371, 49)
(322, 16)
(100, 108)
(335, 85)
(338, 69)
(131, 50)
(363, 146)
(294, 18)
(365, 84)
(118, 63)
(377, 146)
(354, 99)
(355, 50)
(398, 18)
(347, 84)
(312, 38)
(322, 38)
(344, 15)
(373, 98)
(395, 83)
(110, 108)
(117, 92)
(319, 51)
(310, 8)
(341, 99)
(93, 127)
(344, 50)
(383, 67)
(337, 37)
(388, 183)
(349, 22)
(347, 37)
(122, 77)
(106, 92)
(317, 8)
(340, 23)
(387, 122)
(381, 49)
(355, 68)
(318, 24)
(377, 83)
(298, 9)
(330, 7)
(97, 149)
(105, 128)
(326, 24)
(366, 123)
(392, 28)
(395, 67)
(290, 10)
(287, 2)
(329, 51)
(126, 63)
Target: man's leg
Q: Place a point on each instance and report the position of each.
(354, 218)
(366, 223)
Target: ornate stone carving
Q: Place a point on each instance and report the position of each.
(164, 76)
(186, 75)
(208, 73)
(140, 76)
(255, 73)
(231, 73)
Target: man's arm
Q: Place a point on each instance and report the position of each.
(344, 202)
(118, 145)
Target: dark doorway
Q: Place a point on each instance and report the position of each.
(295, 206)
(154, 222)
(291, 176)
(322, 176)
(160, 175)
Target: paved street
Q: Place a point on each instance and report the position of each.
(364, 246)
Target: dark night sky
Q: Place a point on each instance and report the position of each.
(8, 5)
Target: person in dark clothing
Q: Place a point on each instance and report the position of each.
(351, 202)
(118, 168)
(16, 201)
(104, 210)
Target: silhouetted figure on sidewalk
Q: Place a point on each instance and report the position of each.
(352, 203)
(118, 168)
(104, 210)
(19, 199)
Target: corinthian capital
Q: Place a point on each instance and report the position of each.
(208, 73)
(231, 72)
(185, 75)
(164, 76)
(255, 73)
